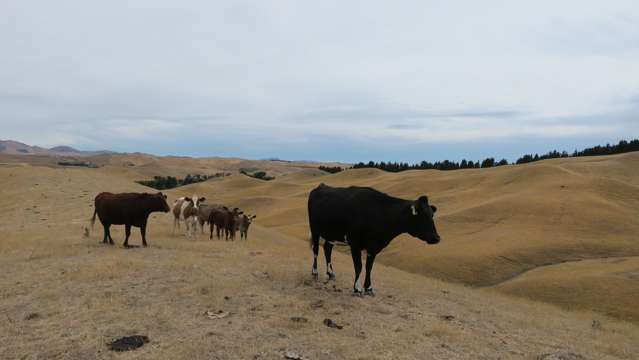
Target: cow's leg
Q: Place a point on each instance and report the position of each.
(108, 230)
(315, 247)
(174, 224)
(143, 233)
(194, 227)
(368, 289)
(211, 227)
(127, 233)
(328, 249)
(357, 263)
(106, 235)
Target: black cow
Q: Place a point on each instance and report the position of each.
(366, 219)
(128, 209)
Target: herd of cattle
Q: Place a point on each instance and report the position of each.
(133, 209)
(361, 217)
(194, 212)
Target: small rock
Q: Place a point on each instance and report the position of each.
(261, 274)
(405, 316)
(561, 356)
(317, 304)
(33, 316)
(299, 319)
(216, 315)
(596, 324)
(447, 317)
(332, 324)
(227, 298)
(292, 355)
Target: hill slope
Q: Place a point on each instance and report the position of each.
(495, 223)
(558, 231)
(64, 296)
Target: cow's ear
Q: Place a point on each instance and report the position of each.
(423, 199)
(434, 208)
(413, 209)
(202, 199)
(186, 198)
(253, 217)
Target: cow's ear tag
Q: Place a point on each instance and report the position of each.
(412, 207)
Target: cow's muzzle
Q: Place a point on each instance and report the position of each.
(434, 239)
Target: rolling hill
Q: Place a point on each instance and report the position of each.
(535, 259)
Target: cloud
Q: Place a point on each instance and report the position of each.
(243, 78)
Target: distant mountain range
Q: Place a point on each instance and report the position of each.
(12, 147)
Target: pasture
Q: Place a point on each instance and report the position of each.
(534, 259)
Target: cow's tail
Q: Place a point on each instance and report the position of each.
(95, 211)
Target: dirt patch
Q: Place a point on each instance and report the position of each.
(332, 324)
(128, 343)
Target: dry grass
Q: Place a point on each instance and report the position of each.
(63, 296)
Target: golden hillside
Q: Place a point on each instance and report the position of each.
(559, 231)
(495, 223)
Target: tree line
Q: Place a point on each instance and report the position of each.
(622, 147)
(261, 175)
(331, 169)
(170, 182)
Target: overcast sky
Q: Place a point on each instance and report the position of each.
(321, 80)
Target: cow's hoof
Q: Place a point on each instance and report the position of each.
(315, 276)
(358, 293)
(369, 292)
(330, 276)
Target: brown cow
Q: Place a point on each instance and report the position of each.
(243, 224)
(224, 219)
(204, 213)
(128, 209)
